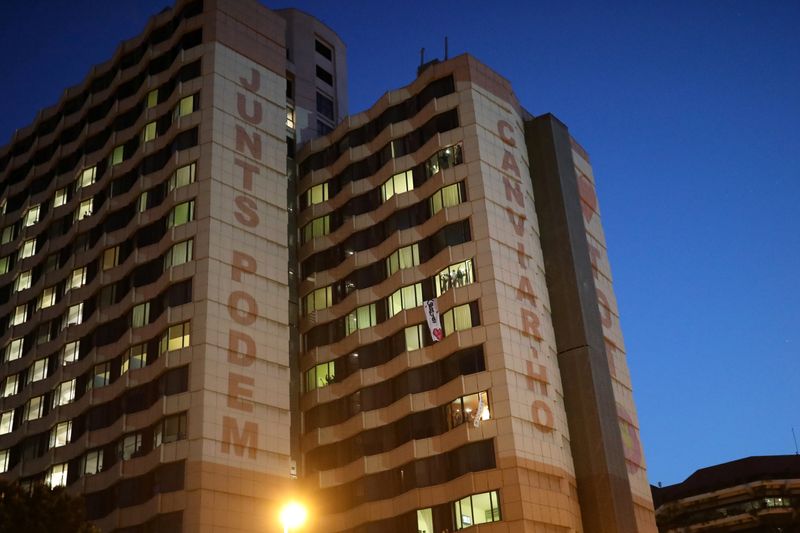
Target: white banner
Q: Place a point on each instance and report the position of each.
(434, 323)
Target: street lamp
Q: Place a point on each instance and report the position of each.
(293, 515)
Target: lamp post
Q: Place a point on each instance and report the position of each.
(293, 515)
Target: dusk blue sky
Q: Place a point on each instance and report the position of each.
(691, 114)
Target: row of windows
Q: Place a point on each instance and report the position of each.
(413, 381)
(180, 214)
(102, 82)
(29, 447)
(371, 164)
(140, 315)
(169, 429)
(473, 509)
(112, 221)
(331, 257)
(402, 258)
(175, 337)
(470, 409)
(89, 175)
(448, 196)
(369, 315)
(397, 184)
(434, 470)
(178, 254)
(369, 131)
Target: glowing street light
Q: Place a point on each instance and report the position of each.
(293, 515)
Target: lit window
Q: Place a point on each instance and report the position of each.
(31, 216)
(3, 205)
(77, 278)
(60, 198)
(320, 376)
(316, 228)
(457, 319)
(446, 197)
(454, 276)
(399, 183)
(445, 158)
(185, 106)
(84, 209)
(149, 132)
(129, 445)
(317, 194)
(318, 299)
(477, 509)
(405, 257)
(10, 386)
(140, 315)
(93, 462)
(405, 298)
(290, 118)
(14, 350)
(181, 214)
(110, 257)
(470, 409)
(87, 177)
(414, 337)
(6, 422)
(171, 429)
(179, 254)
(47, 298)
(71, 352)
(34, 409)
(5, 264)
(8, 234)
(182, 177)
(5, 457)
(23, 281)
(60, 434)
(361, 318)
(19, 315)
(38, 370)
(425, 520)
(28, 249)
(141, 202)
(152, 98)
(176, 337)
(135, 358)
(64, 393)
(56, 476)
(101, 375)
(74, 315)
(117, 155)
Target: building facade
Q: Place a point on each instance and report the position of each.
(755, 494)
(519, 415)
(432, 344)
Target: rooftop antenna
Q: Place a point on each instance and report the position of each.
(795, 442)
(421, 56)
(445, 47)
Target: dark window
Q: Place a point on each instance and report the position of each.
(323, 50)
(324, 75)
(324, 106)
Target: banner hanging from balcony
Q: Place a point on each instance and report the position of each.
(434, 322)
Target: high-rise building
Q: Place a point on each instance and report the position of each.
(432, 344)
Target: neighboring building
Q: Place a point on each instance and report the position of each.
(757, 494)
(171, 351)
